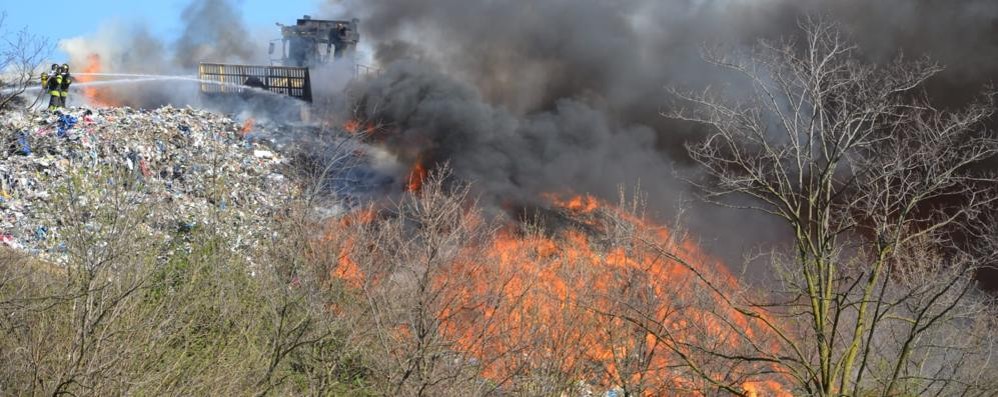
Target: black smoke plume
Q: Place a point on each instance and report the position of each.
(523, 97)
(213, 30)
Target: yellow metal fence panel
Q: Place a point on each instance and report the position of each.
(219, 78)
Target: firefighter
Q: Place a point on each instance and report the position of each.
(47, 75)
(54, 86)
(67, 79)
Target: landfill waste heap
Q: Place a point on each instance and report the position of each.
(192, 164)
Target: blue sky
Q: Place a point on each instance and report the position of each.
(62, 19)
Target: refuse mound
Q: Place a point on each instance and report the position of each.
(192, 164)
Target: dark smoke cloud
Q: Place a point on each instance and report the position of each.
(527, 55)
(213, 31)
(571, 148)
(524, 96)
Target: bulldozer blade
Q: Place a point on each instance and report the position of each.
(219, 79)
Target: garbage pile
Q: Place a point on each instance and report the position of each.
(193, 164)
(356, 171)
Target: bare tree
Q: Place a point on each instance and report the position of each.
(408, 265)
(878, 190)
(21, 53)
(136, 306)
(68, 325)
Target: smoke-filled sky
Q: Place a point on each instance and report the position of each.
(523, 97)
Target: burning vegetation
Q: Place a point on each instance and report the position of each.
(597, 297)
(482, 256)
(588, 297)
(416, 177)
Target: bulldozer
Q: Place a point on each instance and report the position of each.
(309, 43)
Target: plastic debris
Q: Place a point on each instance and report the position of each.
(66, 122)
(263, 154)
(191, 164)
(41, 232)
(7, 239)
(22, 141)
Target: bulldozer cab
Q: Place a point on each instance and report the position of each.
(309, 43)
(313, 42)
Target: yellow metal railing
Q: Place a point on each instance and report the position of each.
(219, 78)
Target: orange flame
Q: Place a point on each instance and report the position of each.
(247, 126)
(547, 303)
(416, 177)
(584, 204)
(361, 217)
(367, 129)
(346, 269)
(95, 95)
(764, 388)
(351, 126)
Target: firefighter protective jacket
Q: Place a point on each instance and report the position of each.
(67, 79)
(55, 85)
